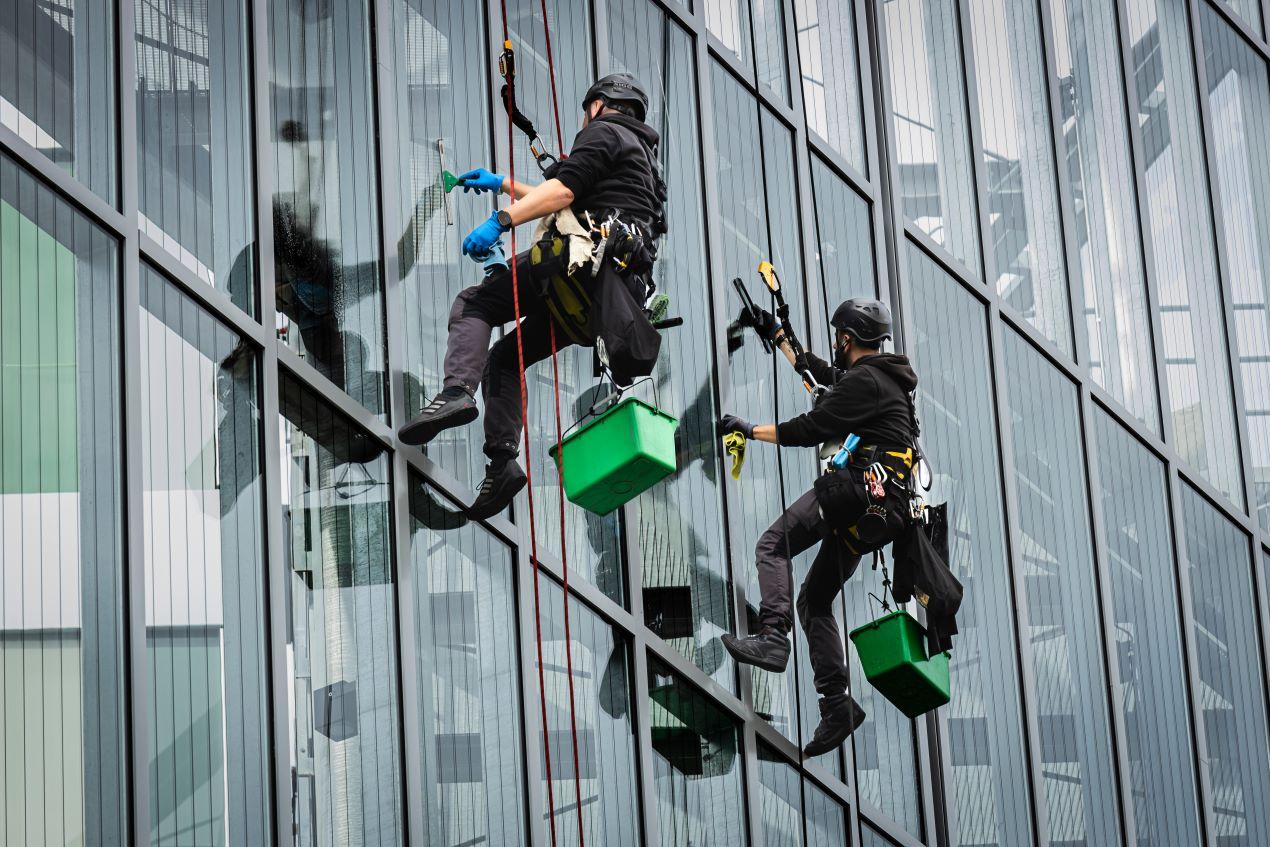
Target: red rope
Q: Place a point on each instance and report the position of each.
(551, 74)
(529, 468)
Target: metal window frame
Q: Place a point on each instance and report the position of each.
(878, 186)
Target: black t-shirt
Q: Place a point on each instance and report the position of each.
(611, 167)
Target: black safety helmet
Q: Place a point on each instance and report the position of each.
(615, 89)
(867, 321)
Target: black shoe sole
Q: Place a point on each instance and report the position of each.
(811, 751)
(500, 499)
(767, 665)
(420, 433)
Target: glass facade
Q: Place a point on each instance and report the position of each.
(236, 609)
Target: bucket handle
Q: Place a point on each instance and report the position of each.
(607, 402)
(886, 607)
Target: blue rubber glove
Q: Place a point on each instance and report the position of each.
(482, 239)
(480, 180)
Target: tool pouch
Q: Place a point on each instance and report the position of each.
(862, 524)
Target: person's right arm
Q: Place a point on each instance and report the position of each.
(516, 189)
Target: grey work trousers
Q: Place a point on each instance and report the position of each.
(795, 531)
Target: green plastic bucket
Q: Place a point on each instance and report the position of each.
(893, 656)
(619, 455)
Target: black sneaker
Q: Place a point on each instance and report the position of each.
(452, 407)
(768, 650)
(501, 483)
(839, 717)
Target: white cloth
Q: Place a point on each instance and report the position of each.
(578, 237)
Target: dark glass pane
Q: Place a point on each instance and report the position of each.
(696, 765)
(62, 759)
(780, 803)
(194, 145)
(1239, 103)
(871, 838)
(825, 817)
(469, 676)
(600, 705)
(1151, 699)
(729, 21)
(1054, 550)
(341, 639)
(206, 643)
(1096, 163)
(680, 521)
(769, 47)
(1188, 290)
(1228, 659)
(928, 105)
(1026, 262)
(829, 65)
(955, 402)
(325, 204)
(57, 84)
(442, 111)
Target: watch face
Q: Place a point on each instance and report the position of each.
(504, 218)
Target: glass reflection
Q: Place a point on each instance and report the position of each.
(787, 803)
(955, 403)
(63, 763)
(1109, 277)
(57, 84)
(729, 21)
(1026, 261)
(1152, 696)
(1239, 105)
(608, 780)
(341, 638)
(1054, 551)
(1231, 690)
(829, 66)
(203, 546)
(769, 47)
(695, 766)
(928, 105)
(465, 619)
(325, 204)
(680, 528)
(194, 145)
(1188, 290)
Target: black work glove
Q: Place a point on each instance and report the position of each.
(764, 323)
(731, 423)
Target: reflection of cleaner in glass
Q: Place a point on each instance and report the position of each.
(586, 276)
(858, 507)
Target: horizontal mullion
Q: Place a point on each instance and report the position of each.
(1241, 26)
(838, 163)
(65, 185)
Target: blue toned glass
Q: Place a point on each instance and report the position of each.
(829, 67)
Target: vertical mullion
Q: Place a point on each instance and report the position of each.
(987, 260)
(644, 738)
(137, 738)
(535, 729)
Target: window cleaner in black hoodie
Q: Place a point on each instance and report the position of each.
(869, 396)
(612, 169)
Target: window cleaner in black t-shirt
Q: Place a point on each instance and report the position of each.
(611, 182)
(870, 396)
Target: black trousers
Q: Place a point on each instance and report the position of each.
(795, 531)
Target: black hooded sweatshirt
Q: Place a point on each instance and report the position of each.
(869, 399)
(611, 166)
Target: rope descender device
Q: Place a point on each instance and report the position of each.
(507, 70)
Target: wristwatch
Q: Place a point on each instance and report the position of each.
(504, 219)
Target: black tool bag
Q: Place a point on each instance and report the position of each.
(619, 320)
(922, 572)
(864, 526)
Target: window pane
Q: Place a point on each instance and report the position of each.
(204, 563)
(1055, 552)
(61, 584)
(680, 520)
(1151, 698)
(194, 144)
(729, 21)
(442, 124)
(780, 800)
(325, 205)
(928, 102)
(769, 34)
(1228, 659)
(1026, 262)
(1109, 280)
(341, 639)
(872, 838)
(830, 71)
(1239, 102)
(465, 618)
(1188, 290)
(594, 543)
(695, 765)
(601, 708)
(57, 84)
(1249, 9)
(955, 403)
(826, 819)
